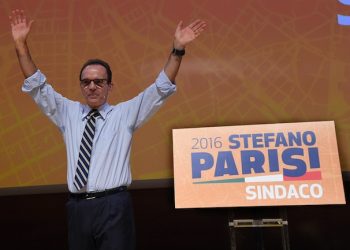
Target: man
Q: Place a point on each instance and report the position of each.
(98, 138)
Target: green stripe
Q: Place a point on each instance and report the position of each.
(220, 181)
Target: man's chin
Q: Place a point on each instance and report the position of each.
(94, 105)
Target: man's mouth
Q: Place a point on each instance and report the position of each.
(92, 96)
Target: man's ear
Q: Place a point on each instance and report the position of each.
(110, 85)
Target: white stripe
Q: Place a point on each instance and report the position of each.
(82, 181)
(83, 155)
(88, 136)
(85, 178)
(87, 143)
(85, 167)
(78, 180)
(90, 129)
(92, 120)
(265, 178)
(85, 148)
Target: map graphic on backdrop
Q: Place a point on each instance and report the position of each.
(258, 62)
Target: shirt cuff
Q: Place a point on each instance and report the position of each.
(34, 81)
(164, 85)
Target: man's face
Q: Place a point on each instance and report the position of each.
(94, 85)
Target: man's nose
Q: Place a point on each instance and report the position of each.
(92, 85)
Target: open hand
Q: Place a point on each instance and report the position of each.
(184, 36)
(20, 25)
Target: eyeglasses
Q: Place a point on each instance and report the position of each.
(98, 82)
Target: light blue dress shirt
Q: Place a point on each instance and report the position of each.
(109, 163)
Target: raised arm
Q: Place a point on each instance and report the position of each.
(20, 27)
(183, 36)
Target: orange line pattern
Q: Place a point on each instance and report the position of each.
(258, 62)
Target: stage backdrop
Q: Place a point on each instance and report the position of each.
(259, 61)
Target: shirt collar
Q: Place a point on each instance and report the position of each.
(103, 110)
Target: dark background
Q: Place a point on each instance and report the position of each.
(38, 221)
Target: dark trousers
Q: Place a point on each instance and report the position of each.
(104, 223)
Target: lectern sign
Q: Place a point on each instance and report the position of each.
(257, 165)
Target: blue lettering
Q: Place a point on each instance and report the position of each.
(268, 139)
(314, 158)
(245, 139)
(273, 160)
(287, 158)
(252, 160)
(281, 140)
(294, 139)
(225, 158)
(236, 143)
(257, 138)
(311, 136)
(200, 162)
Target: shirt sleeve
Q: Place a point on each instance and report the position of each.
(53, 104)
(143, 106)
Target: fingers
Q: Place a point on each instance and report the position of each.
(197, 27)
(11, 21)
(194, 23)
(22, 16)
(12, 18)
(197, 24)
(198, 32)
(179, 26)
(17, 17)
(30, 23)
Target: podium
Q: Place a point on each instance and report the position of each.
(259, 167)
(257, 226)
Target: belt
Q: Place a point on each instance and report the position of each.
(93, 195)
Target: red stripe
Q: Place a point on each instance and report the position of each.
(314, 175)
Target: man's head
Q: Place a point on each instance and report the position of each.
(95, 82)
